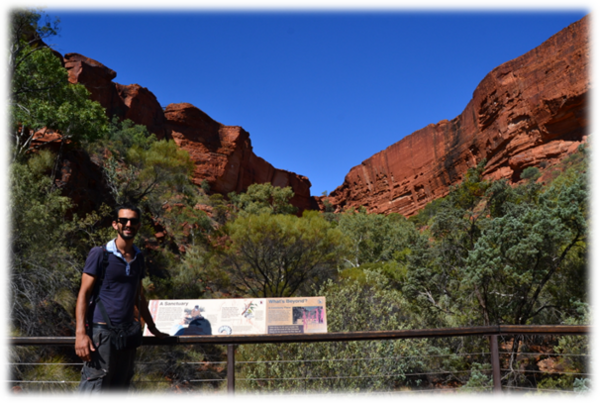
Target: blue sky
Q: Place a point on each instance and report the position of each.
(318, 91)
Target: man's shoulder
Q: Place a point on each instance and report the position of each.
(96, 251)
(93, 260)
(96, 254)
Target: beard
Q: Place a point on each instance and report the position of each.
(131, 235)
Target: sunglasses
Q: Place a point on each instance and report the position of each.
(123, 221)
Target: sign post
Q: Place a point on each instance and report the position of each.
(230, 369)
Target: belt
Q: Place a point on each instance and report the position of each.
(105, 326)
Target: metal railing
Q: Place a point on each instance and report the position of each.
(492, 332)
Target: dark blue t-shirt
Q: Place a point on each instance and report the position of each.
(118, 289)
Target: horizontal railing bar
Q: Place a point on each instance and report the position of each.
(43, 382)
(213, 380)
(331, 337)
(44, 364)
(545, 372)
(418, 390)
(342, 377)
(358, 359)
(537, 389)
(548, 354)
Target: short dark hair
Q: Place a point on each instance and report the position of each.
(126, 206)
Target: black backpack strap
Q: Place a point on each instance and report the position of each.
(104, 264)
(100, 276)
(104, 314)
(101, 280)
(97, 286)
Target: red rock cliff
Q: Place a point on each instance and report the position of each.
(528, 110)
(222, 154)
(132, 102)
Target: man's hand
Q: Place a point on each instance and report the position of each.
(84, 346)
(146, 316)
(157, 333)
(83, 343)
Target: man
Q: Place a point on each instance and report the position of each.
(106, 367)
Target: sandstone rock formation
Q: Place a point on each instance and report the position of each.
(526, 111)
(223, 154)
(127, 102)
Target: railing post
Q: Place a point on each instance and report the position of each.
(495, 364)
(230, 369)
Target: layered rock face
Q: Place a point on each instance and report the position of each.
(529, 110)
(222, 154)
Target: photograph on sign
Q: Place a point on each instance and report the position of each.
(296, 315)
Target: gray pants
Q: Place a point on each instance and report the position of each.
(109, 369)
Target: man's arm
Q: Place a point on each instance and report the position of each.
(83, 343)
(145, 313)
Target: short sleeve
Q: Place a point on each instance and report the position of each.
(93, 261)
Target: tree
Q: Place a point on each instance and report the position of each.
(438, 255)
(281, 255)
(143, 170)
(520, 252)
(263, 198)
(502, 256)
(27, 33)
(531, 173)
(42, 266)
(41, 95)
(376, 238)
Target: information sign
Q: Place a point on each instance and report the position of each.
(244, 316)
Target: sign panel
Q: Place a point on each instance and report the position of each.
(243, 316)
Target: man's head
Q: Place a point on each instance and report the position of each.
(127, 221)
